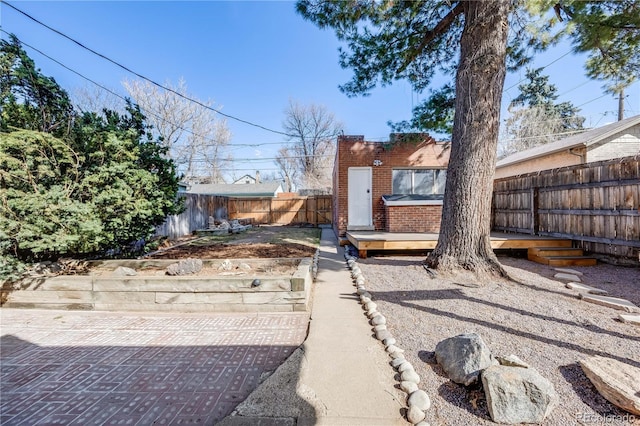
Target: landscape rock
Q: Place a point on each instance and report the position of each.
(406, 365)
(378, 319)
(392, 349)
(379, 327)
(390, 341)
(410, 376)
(415, 415)
(123, 271)
(185, 267)
(463, 357)
(382, 334)
(518, 395)
(398, 361)
(618, 382)
(420, 399)
(244, 266)
(226, 265)
(408, 387)
(512, 361)
(567, 277)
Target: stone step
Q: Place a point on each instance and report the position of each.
(569, 271)
(611, 302)
(586, 289)
(630, 318)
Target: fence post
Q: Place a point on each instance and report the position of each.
(311, 206)
(535, 219)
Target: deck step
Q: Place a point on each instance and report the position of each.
(564, 260)
(556, 251)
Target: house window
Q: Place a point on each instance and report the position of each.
(419, 181)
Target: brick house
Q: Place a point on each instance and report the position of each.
(615, 140)
(394, 186)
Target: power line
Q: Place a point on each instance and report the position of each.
(142, 76)
(166, 121)
(547, 135)
(592, 100)
(549, 64)
(146, 110)
(251, 160)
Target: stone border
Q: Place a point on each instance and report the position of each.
(277, 293)
(418, 401)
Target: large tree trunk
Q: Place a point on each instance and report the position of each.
(464, 241)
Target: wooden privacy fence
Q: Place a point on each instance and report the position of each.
(314, 210)
(596, 204)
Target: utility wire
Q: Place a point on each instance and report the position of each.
(142, 76)
(146, 110)
(548, 65)
(161, 118)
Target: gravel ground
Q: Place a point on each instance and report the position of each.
(536, 318)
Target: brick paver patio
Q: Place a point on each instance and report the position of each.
(107, 368)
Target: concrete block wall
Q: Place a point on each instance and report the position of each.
(420, 151)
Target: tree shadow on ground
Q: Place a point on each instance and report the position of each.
(405, 299)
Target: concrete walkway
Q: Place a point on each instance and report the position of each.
(341, 375)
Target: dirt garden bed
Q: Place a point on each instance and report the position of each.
(265, 269)
(535, 318)
(257, 242)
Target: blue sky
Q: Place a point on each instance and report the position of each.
(250, 58)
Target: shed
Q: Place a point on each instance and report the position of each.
(394, 186)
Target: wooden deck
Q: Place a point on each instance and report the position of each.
(376, 240)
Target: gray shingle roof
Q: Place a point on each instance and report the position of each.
(583, 139)
(267, 189)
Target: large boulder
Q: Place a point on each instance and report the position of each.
(518, 395)
(618, 382)
(463, 357)
(185, 267)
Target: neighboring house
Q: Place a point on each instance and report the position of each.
(267, 189)
(393, 186)
(183, 187)
(616, 140)
(247, 180)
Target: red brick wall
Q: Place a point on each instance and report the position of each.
(354, 151)
(413, 218)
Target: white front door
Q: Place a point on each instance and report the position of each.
(359, 205)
